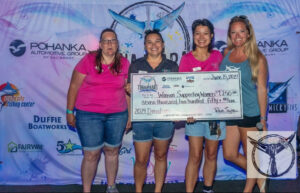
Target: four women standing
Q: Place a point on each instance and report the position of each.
(97, 91)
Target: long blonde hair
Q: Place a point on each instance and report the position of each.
(251, 49)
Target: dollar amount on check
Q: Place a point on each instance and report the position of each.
(176, 96)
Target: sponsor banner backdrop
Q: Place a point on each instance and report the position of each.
(41, 42)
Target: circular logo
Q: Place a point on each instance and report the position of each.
(267, 162)
(135, 19)
(17, 48)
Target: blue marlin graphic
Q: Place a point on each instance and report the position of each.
(7, 90)
(141, 26)
(277, 90)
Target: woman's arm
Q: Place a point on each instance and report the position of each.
(262, 90)
(128, 125)
(76, 81)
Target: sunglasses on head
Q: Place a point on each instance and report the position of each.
(244, 17)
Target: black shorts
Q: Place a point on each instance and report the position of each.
(245, 122)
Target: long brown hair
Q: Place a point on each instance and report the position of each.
(116, 66)
(251, 49)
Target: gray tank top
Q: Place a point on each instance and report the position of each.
(249, 90)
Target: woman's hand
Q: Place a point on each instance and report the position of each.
(71, 119)
(128, 126)
(128, 88)
(265, 125)
(190, 120)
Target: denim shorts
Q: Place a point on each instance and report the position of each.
(98, 129)
(245, 122)
(202, 129)
(147, 131)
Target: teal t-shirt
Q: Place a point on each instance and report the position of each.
(249, 90)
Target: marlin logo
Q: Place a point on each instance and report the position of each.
(141, 26)
(277, 90)
(7, 90)
(231, 68)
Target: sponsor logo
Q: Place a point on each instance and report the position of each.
(190, 79)
(17, 48)
(171, 79)
(271, 154)
(57, 50)
(67, 148)
(10, 97)
(273, 47)
(278, 97)
(166, 86)
(46, 123)
(147, 84)
(12, 147)
(52, 50)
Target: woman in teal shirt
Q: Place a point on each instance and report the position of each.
(242, 54)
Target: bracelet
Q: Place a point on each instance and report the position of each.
(263, 118)
(69, 111)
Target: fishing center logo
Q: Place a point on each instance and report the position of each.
(10, 97)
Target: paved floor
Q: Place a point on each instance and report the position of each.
(219, 186)
(286, 186)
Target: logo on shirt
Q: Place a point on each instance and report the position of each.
(231, 68)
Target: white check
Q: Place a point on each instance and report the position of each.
(176, 96)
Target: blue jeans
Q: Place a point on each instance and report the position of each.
(201, 129)
(147, 131)
(98, 129)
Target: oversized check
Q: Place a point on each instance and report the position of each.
(176, 96)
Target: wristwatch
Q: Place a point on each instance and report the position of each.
(263, 118)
